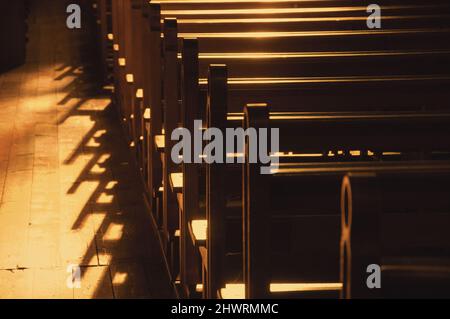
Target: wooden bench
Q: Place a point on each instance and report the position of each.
(398, 221)
(138, 137)
(125, 6)
(105, 37)
(304, 235)
(264, 202)
(327, 132)
(247, 93)
(138, 117)
(305, 55)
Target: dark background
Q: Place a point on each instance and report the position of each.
(12, 33)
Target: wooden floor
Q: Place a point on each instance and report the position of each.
(68, 190)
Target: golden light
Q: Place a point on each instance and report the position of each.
(199, 228)
(114, 232)
(104, 198)
(97, 169)
(237, 290)
(119, 278)
(129, 78)
(111, 185)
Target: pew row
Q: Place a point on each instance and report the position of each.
(318, 62)
(365, 133)
(396, 223)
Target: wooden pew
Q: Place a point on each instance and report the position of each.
(325, 132)
(171, 119)
(246, 91)
(105, 37)
(128, 80)
(263, 202)
(141, 116)
(262, 277)
(134, 47)
(369, 76)
(126, 61)
(399, 221)
(185, 179)
(119, 59)
(272, 25)
(137, 137)
(210, 45)
(152, 110)
(358, 22)
(137, 90)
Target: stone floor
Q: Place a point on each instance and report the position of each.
(70, 202)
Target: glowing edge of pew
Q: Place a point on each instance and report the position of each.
(343, 79)
(176, 12)
(297, 34)
(237, 291)
(199, 229)
(292, 20)
(176, 180)
(159, 141)
(285, 55)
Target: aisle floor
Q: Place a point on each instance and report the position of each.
(70, 198)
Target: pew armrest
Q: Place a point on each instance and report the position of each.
(147, 114)
(159, 142)
(176, 182)
(198, 232)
